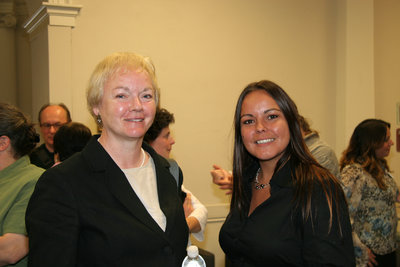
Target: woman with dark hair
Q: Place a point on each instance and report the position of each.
(286, 210)
(372, 193)
(159, 137)
(17, 180)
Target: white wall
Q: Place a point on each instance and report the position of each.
(326, 54)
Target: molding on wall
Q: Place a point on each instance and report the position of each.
(7, 16)
(54, 15)
(8, 20)
(217, 212)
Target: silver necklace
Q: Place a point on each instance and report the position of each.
(144, 157)
(257, 184)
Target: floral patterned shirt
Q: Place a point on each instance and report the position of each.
(372, 212)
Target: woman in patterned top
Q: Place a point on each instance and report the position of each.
(371, 193)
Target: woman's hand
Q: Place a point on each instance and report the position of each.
(372, 262)
(223, 178)
(192, 222)
(187, 205)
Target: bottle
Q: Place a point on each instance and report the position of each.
(193, 259)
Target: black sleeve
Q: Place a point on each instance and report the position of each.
(52, 223)
(182, 194)
(42, 159)
(325, 245)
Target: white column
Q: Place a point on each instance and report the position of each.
(50, 40)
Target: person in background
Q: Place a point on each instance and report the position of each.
(51, 118)
(322, 152)
(115, 203)
(286, 209)
(222, 178)
(371, 193)
(160, 138)
(17, 180)
(69, 139)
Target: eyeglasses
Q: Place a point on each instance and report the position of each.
(49, 125)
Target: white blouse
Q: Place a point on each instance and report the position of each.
(144, 183)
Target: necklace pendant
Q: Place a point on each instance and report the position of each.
(259, 186)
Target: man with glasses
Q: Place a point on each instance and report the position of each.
(51, 118)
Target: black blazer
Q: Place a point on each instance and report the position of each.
(84, 212)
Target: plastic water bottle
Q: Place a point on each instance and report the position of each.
(193, 259)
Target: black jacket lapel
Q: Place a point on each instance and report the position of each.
(105, 168)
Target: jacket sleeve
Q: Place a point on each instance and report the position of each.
(52, 223)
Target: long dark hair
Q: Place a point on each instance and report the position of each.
(367, 137)
(307, 169)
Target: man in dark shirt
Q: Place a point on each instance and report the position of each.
(51, 118)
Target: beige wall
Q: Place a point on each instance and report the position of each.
(387, 66)
(205, 53)
(337, 60)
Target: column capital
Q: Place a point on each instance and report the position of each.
(8, 20)
(54, 15)
(7, 16)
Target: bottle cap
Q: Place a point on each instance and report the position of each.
(193, 251)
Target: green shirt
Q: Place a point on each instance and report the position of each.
(17, 182)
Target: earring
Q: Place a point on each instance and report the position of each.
(99, 119)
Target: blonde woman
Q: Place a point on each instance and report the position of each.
(115, 203)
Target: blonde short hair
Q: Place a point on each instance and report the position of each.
(112, 64)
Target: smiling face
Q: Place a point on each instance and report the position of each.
(163, 143)
(264, 129)
(384, 150)
(127, 107)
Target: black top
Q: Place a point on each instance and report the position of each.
(84, 212)
(42, 157)
(275, 235)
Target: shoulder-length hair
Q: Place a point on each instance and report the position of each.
(307, 169)
(367, 137)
